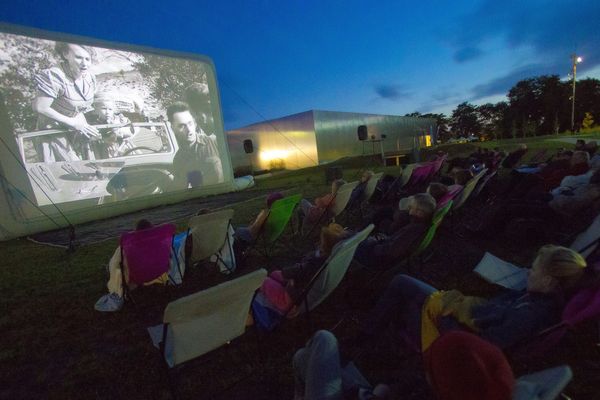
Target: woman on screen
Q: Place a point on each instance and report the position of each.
(64, 93)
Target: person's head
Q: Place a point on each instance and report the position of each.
(336, 185)
(580, 157)
(554, 268)
(105, 108)
(522, 147)
(579, 144)
(273, 197)
(461, 176)
(76, 58)
(330, 236)
(366, 176)
(591, 147)
(422, 206)
(182, 122)
(437, 190)
(143, 224)
(462, 366)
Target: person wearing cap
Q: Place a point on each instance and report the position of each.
(382, 251)
(462, 366)
(458, 366)
(503, 320)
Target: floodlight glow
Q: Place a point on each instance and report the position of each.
(268, 155)
(579, 59)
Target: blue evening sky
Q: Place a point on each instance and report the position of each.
(275, 58)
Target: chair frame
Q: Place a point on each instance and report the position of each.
(225, 241)
(125, 285)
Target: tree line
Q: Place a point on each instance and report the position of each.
(535, 106)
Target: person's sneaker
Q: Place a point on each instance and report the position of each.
(109, 303)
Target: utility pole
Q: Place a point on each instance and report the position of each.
(576, 60)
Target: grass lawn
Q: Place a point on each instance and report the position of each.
(56, 346)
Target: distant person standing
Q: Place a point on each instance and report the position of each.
(197, 163)
(64, 93)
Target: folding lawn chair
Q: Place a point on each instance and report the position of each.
(483, 183)
(453, 192)
(335, 207)
(430, 235)
(583, 306)
(199, 323)
(420, 174)
(331, 273)
(406, 174)
(146, 254)
(543, 385)
(587, 241)
(280, 213)
(341, 199)
(437, 166)
(371, 186)
(210, 233)
(468, 189)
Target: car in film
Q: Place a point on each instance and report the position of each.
(126, 160)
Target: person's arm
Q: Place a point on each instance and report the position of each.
(323, 202)
(43, 105)
(401, 244)
(516, 325)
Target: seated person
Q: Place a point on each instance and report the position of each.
(282, 288)
(503, 320)
(382, 251)
(115, 142)
(459, 366)
(358, 192)
(514, 156)
(113, 301)
(310, 214)
(437, 190)
(556, 208)
(249, 233)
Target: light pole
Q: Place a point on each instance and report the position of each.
(576, 60)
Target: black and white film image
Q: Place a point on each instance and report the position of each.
(105, 125)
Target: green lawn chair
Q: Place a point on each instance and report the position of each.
(435, 224)
(469, 187)
(279, 216)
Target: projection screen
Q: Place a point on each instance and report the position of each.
(86, 125)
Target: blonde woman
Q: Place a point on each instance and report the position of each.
(503, 320)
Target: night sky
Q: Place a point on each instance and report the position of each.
(275, 58)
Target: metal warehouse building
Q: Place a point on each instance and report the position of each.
(316, 137)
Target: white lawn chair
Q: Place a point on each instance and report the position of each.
(210, 234)
(371, 186)
(543, 385)
(341, 198)
(332, 272)
(587, 241)
(406, 174)
(197, 324)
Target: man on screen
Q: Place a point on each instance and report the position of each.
(197, 162)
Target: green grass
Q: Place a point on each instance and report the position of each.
(56, 346)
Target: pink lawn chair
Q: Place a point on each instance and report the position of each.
(420, 174)
(437, 165)
(583, 306)
(147, 253)
(453, 191)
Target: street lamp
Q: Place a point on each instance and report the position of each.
(576, 60)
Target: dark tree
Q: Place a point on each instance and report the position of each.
(464, 120)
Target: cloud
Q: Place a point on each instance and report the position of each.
(391, 92)
(467, 53)
(502, 84)
(552, 30)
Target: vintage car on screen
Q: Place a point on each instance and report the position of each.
(129, 160)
